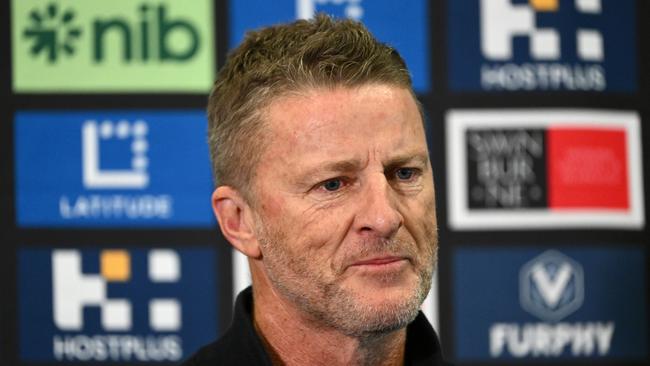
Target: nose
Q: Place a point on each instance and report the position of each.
(378, 213)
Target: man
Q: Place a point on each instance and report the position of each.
(324, 183)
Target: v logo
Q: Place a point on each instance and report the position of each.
(551, 289)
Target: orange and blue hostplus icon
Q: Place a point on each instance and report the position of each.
(115, 305)
(553, 304)
(403, 25)
(112, 169)
(542, 45)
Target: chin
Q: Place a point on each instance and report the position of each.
(374, 308)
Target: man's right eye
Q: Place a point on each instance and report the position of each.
(332, 185)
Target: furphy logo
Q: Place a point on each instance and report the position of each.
(112, 169)
(552, 304)
(551, 286)
(544, 169)
(112, 46)
(115, 305)
(402, 25)
(581, 45)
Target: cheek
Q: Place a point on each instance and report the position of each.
(420, 215)
(272, 206)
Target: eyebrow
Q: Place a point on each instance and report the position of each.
(329, 167)
(420, 157)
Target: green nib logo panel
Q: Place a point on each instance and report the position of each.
(112, 46)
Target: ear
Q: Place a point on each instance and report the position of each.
(235, 219)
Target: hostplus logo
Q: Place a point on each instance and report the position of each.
(73, 291)
(551, 287)
(501, 22)
(115, 305)
(579, 45)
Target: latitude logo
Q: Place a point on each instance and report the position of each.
(93, 133)
(551, 286)
(118, 45)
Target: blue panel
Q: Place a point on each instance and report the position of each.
(533, 303)
(46, 337)
(403, 25)
(478, 28)
(112, 169)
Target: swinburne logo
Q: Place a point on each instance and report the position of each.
(543, 45)
(544, 168)
(109, 38)
(112, 305)
(551, 288)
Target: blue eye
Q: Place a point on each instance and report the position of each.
(332, 185)
(404, 173)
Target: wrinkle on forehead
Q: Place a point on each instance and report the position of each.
(321, 120)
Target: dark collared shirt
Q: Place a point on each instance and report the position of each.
(242, 346)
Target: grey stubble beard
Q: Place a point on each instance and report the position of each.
(331, 305)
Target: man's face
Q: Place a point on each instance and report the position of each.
(345, 206)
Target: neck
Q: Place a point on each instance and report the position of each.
(292, 338)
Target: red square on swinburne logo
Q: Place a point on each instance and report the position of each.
(587, 168)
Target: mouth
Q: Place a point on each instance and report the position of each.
(378, 261)
(380, 264)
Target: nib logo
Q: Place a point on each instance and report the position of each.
(51, 31)
(112, 45)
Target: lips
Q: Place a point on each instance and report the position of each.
(378, 261)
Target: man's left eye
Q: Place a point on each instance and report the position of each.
(405, 173)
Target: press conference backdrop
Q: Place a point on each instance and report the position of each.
(535, 118)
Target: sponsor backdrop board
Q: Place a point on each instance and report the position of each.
(112, 46)
(536, 113)
(509, 45)
(403, 25)
(112, 168)
(520, 169)
(115, 304)
(550, 304)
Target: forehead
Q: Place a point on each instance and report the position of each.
(325, 118)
